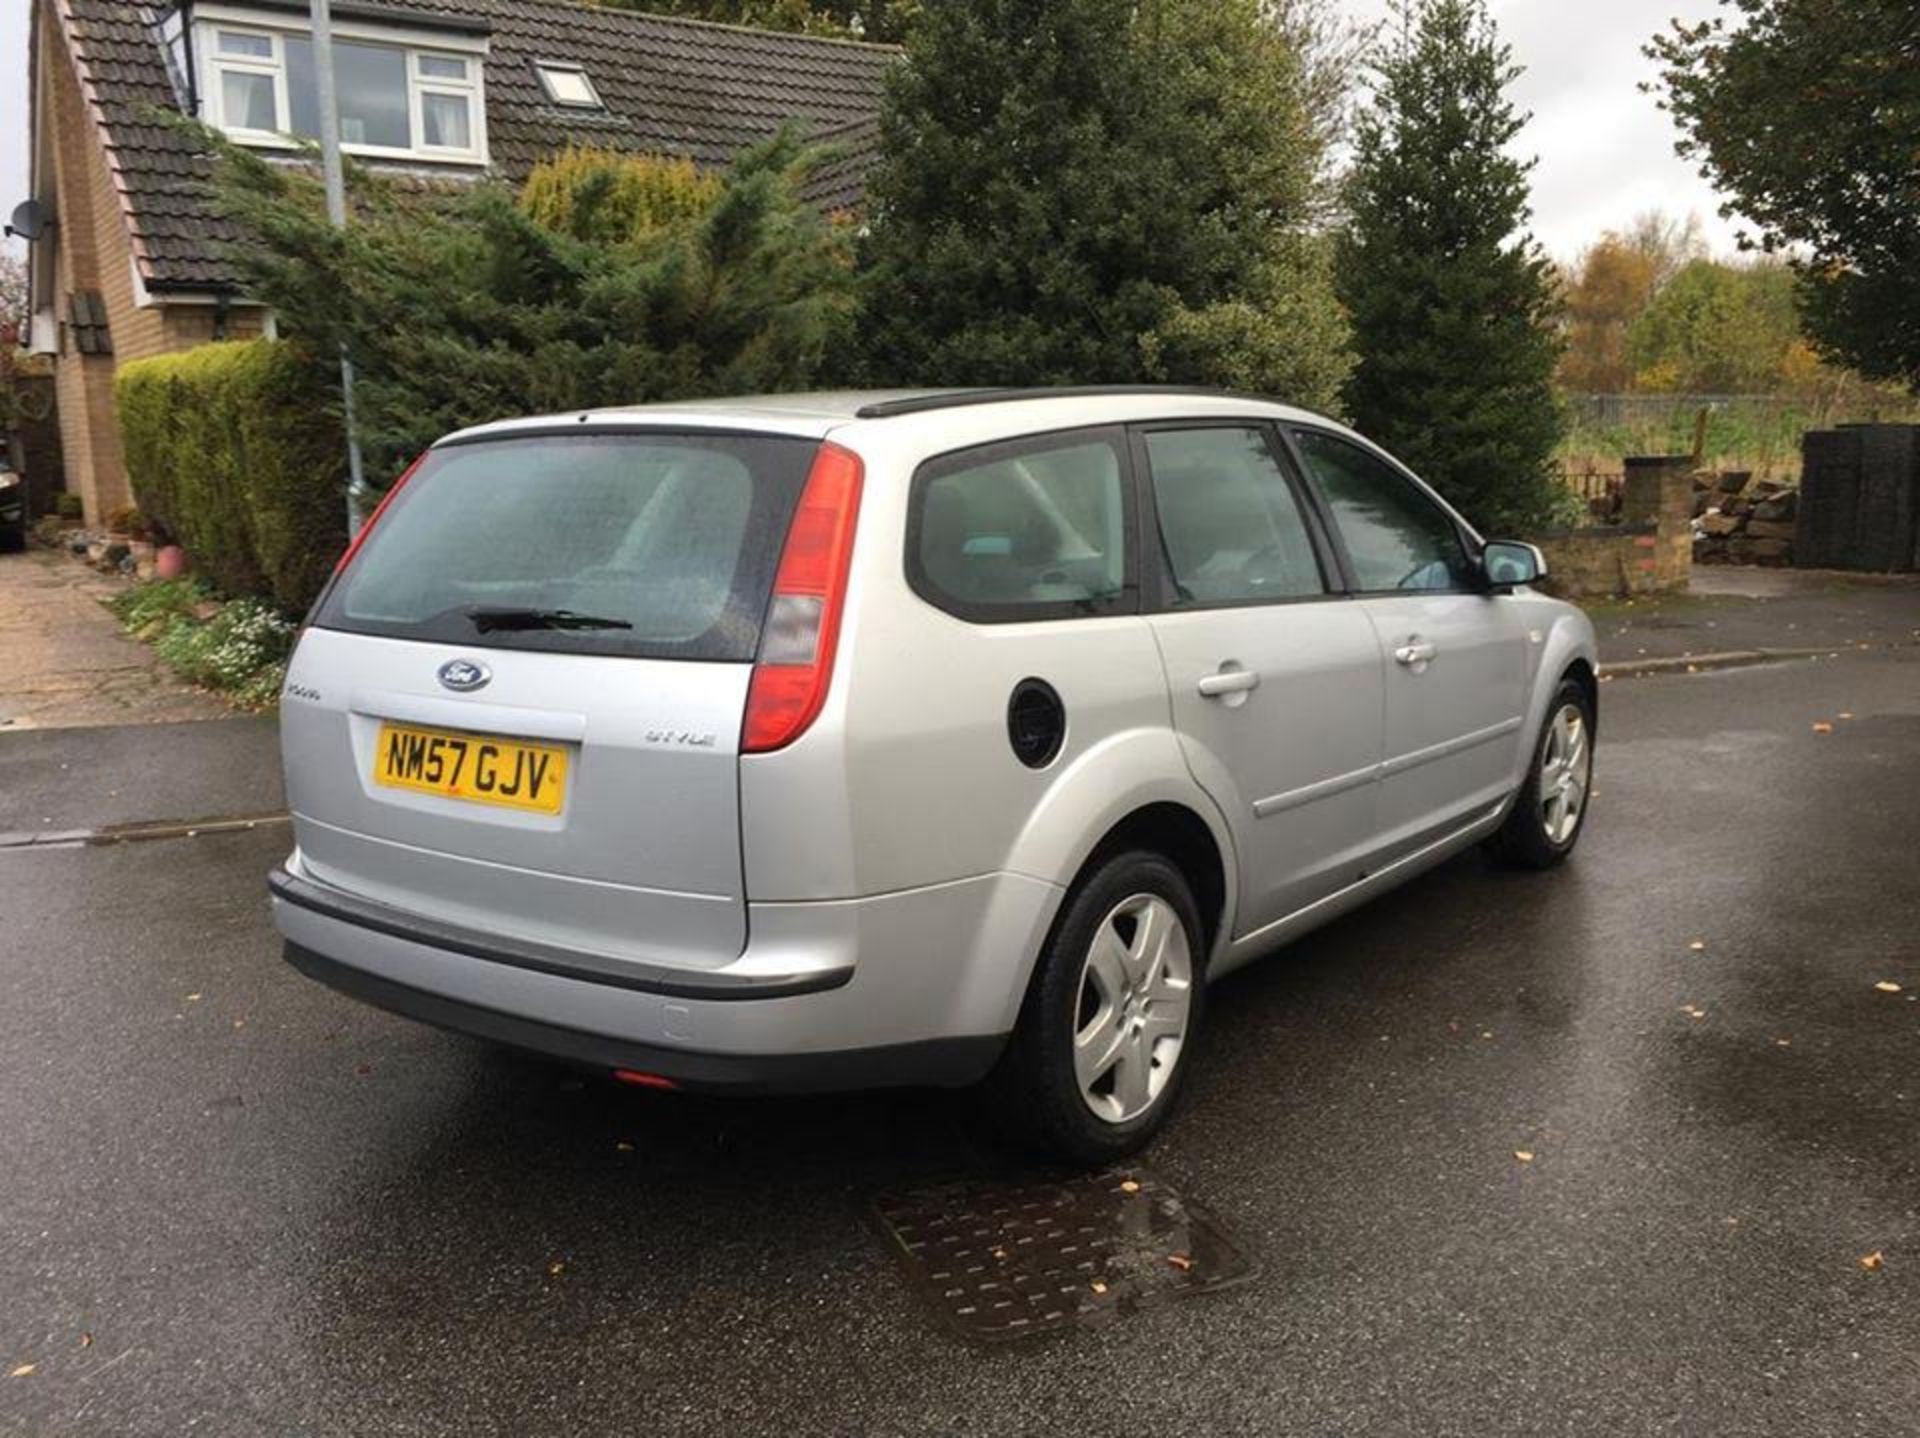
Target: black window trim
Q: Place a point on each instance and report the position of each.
(1470, 542)
(1126, 602)
(1157, 589)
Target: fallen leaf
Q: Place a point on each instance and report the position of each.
(1823, 727)
(1181, 1262)
(193, 998)
(1784, 1043)
(86, 1340)
(1873, 1260)
(556, 1268)
(623, 1146)
(1845, 715)
(1692, 1012)
(1524, 1155)
(1699, 946)
(1098, 1286)
(239, 1023)
(1486, 1033)
(23, 1370)
(1000, 1253)
(1887, 986)
(1128, 1185)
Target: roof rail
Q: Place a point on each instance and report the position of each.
(959, 398)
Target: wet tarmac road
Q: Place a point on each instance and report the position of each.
(232, 1202)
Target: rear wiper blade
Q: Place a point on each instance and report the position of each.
(488, 620)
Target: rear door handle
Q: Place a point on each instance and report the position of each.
(1229, 681)
(1415, 652)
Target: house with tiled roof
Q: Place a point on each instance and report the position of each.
(130, 261)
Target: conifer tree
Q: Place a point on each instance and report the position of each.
(1100, 191)
(1452, 302)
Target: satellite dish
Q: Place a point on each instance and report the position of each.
(29, 221)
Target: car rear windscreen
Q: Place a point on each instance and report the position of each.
(646, 545)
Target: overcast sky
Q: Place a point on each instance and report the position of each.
(1606, 154)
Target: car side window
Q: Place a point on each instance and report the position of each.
(1030, 529)
(1396, 537)
(1230, 526)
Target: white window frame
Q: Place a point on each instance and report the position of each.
(211, 20)
(543, 68)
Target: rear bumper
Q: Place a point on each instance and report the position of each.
(719, 986)
(919, 987)
(954, 1062)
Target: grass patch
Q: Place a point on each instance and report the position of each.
(236, 647)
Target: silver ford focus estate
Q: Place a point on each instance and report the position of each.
(834, 741)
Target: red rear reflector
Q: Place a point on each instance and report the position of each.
(379, 509)
(789, 686)
(640, 1080)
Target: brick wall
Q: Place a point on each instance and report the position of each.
(1649, 551)
(94, 253)
(83, 384)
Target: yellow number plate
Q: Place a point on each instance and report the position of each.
(477, 767)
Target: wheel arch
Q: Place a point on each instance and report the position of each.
(1581, 672)
(1181, 836)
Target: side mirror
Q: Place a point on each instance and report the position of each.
(1507, 564)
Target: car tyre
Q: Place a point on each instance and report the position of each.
(1108, 1028)
(1550, 812)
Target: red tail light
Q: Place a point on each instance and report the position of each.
(640, 1080)
(379, 509)
(803, 621)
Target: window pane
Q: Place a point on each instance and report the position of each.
(446, 121)
(235, 42)
(372, 85)
(1229, 523)
(1396, 537)
(443, 67)
(568, 87)
(246, 101)
(1044, 527)
(676, 536)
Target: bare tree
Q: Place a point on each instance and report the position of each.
(1332, 50)
(13, 297)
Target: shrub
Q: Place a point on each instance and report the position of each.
(241, 651)
(469, 309)
(147, 609)
(234, 449)
(129, 521)
(603, 197)
(239, 648)
(68, 506)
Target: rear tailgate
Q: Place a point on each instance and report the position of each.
(519, 709)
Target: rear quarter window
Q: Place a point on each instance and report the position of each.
(1036, 528)
(671, 540)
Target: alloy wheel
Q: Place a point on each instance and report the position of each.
(1566, 772)
(1135, 1001)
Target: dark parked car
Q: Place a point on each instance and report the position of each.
(13, 507)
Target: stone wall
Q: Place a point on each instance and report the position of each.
(1744, 520)
(1649, 551)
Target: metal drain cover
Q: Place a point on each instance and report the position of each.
(1000, 1261)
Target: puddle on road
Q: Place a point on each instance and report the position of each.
(1003, 1261)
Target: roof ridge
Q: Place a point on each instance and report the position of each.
(693, 22)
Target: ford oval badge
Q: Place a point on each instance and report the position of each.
(465, 675)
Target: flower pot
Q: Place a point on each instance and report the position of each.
(170, 562)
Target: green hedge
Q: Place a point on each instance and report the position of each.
(235, 450)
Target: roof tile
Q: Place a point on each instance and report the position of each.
(670, 85)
